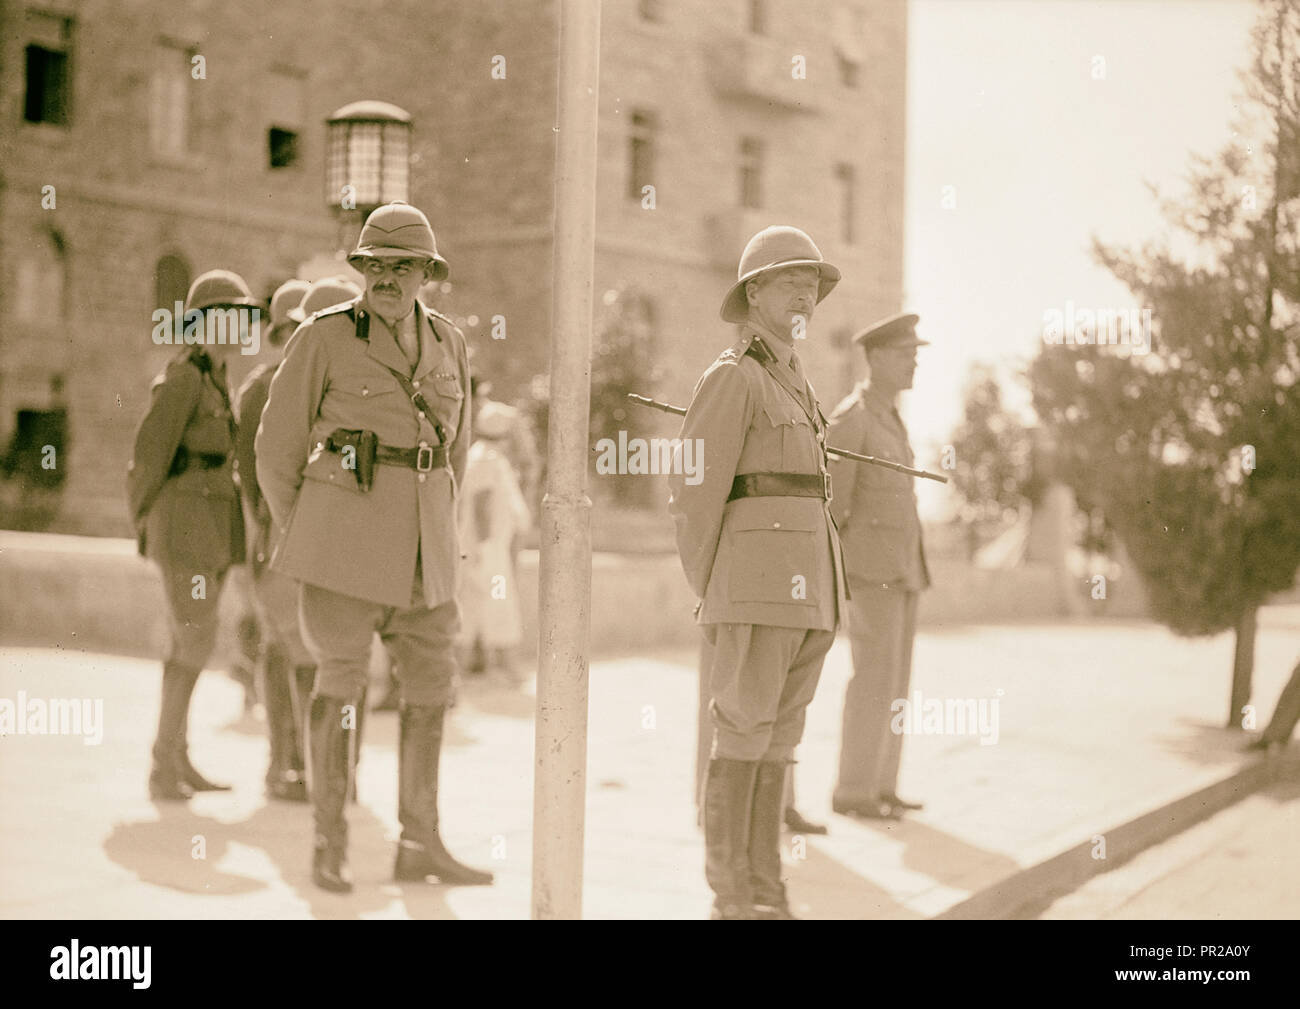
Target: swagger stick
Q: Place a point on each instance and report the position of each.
(898, 467)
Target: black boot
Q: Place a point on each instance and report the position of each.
(765, 842)
(421, 852)
(301, 681)
(283, 781)
(728, 803)
(329, 770)
(187, 677)
(166, 780)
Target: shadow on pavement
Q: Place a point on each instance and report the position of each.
(1205, 743)
(166, 853)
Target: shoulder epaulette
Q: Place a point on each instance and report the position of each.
(737, 350)
(343, 308)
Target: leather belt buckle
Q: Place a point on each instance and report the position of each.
(424, 458)
(826, 485)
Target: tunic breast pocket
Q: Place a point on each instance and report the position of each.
(362, 389)
(793, 440)
(773, 559)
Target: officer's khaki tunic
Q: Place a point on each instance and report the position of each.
(188, 523)
(768, 570)
(384, 560)
(876, 512)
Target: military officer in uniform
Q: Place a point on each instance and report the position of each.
(361, 449)
(288, 670)
(875, 509)
(758, 545)
(185, 506)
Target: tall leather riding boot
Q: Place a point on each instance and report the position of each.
(421, 852)
(765, 842)
(329, 773)
(301, 683)
(187, 677)
(283, 780)
(728, 803)
(356, 743)
(166, 780)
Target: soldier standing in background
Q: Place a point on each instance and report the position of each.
(493, 514)
(288, 670)
(759, 547)
(185, 507)
(362, 446)
(875, 509)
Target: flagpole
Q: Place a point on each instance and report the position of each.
(564, 609)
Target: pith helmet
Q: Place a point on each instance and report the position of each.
(327, 293)
(285, 301)
(218, 289)
(776, 248)
(398, 230)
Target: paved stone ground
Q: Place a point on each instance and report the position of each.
(1239, 864)
(1096, 724)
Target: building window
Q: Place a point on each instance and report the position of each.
(282, 147)
(650, 10)
(49, 38)
(849, 37)
(751, 173)
(170, 111)
(758, 17)
(171, 282)
(42, 279)
(641, 153)
(284, 106)
(848, 202)
(848, 71)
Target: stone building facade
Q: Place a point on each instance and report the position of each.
(142, 143)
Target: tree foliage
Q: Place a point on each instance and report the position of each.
(1193, 449)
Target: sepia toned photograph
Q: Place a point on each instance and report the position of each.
(651, 460)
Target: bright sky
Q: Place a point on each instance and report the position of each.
(1003, 107)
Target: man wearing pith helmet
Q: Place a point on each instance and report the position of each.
(185, 506)
(876, 512)
(759, 547)
(362, 446)
(288, 670)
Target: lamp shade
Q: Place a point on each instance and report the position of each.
(368, 147)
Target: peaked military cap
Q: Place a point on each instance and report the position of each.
(896, 331)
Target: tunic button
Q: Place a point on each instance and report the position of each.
(415, 384)
(421, 415)
(422, 476)
(365, 391)
(776, 525)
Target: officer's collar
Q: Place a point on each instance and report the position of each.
(782, 351)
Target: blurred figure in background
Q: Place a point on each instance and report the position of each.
(288, 670)
(185, 507)
(493, 513)
(1285, 716)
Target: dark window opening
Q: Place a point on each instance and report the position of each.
(848, 73)
(47, 86)
(282, 146)
(641, 154)
(848, 200)
(751, 173)
(171, 279)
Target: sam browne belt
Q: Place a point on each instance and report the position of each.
(816, 485)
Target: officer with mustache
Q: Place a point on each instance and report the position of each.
(361, 451)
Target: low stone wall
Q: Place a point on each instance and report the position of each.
(94, 593)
